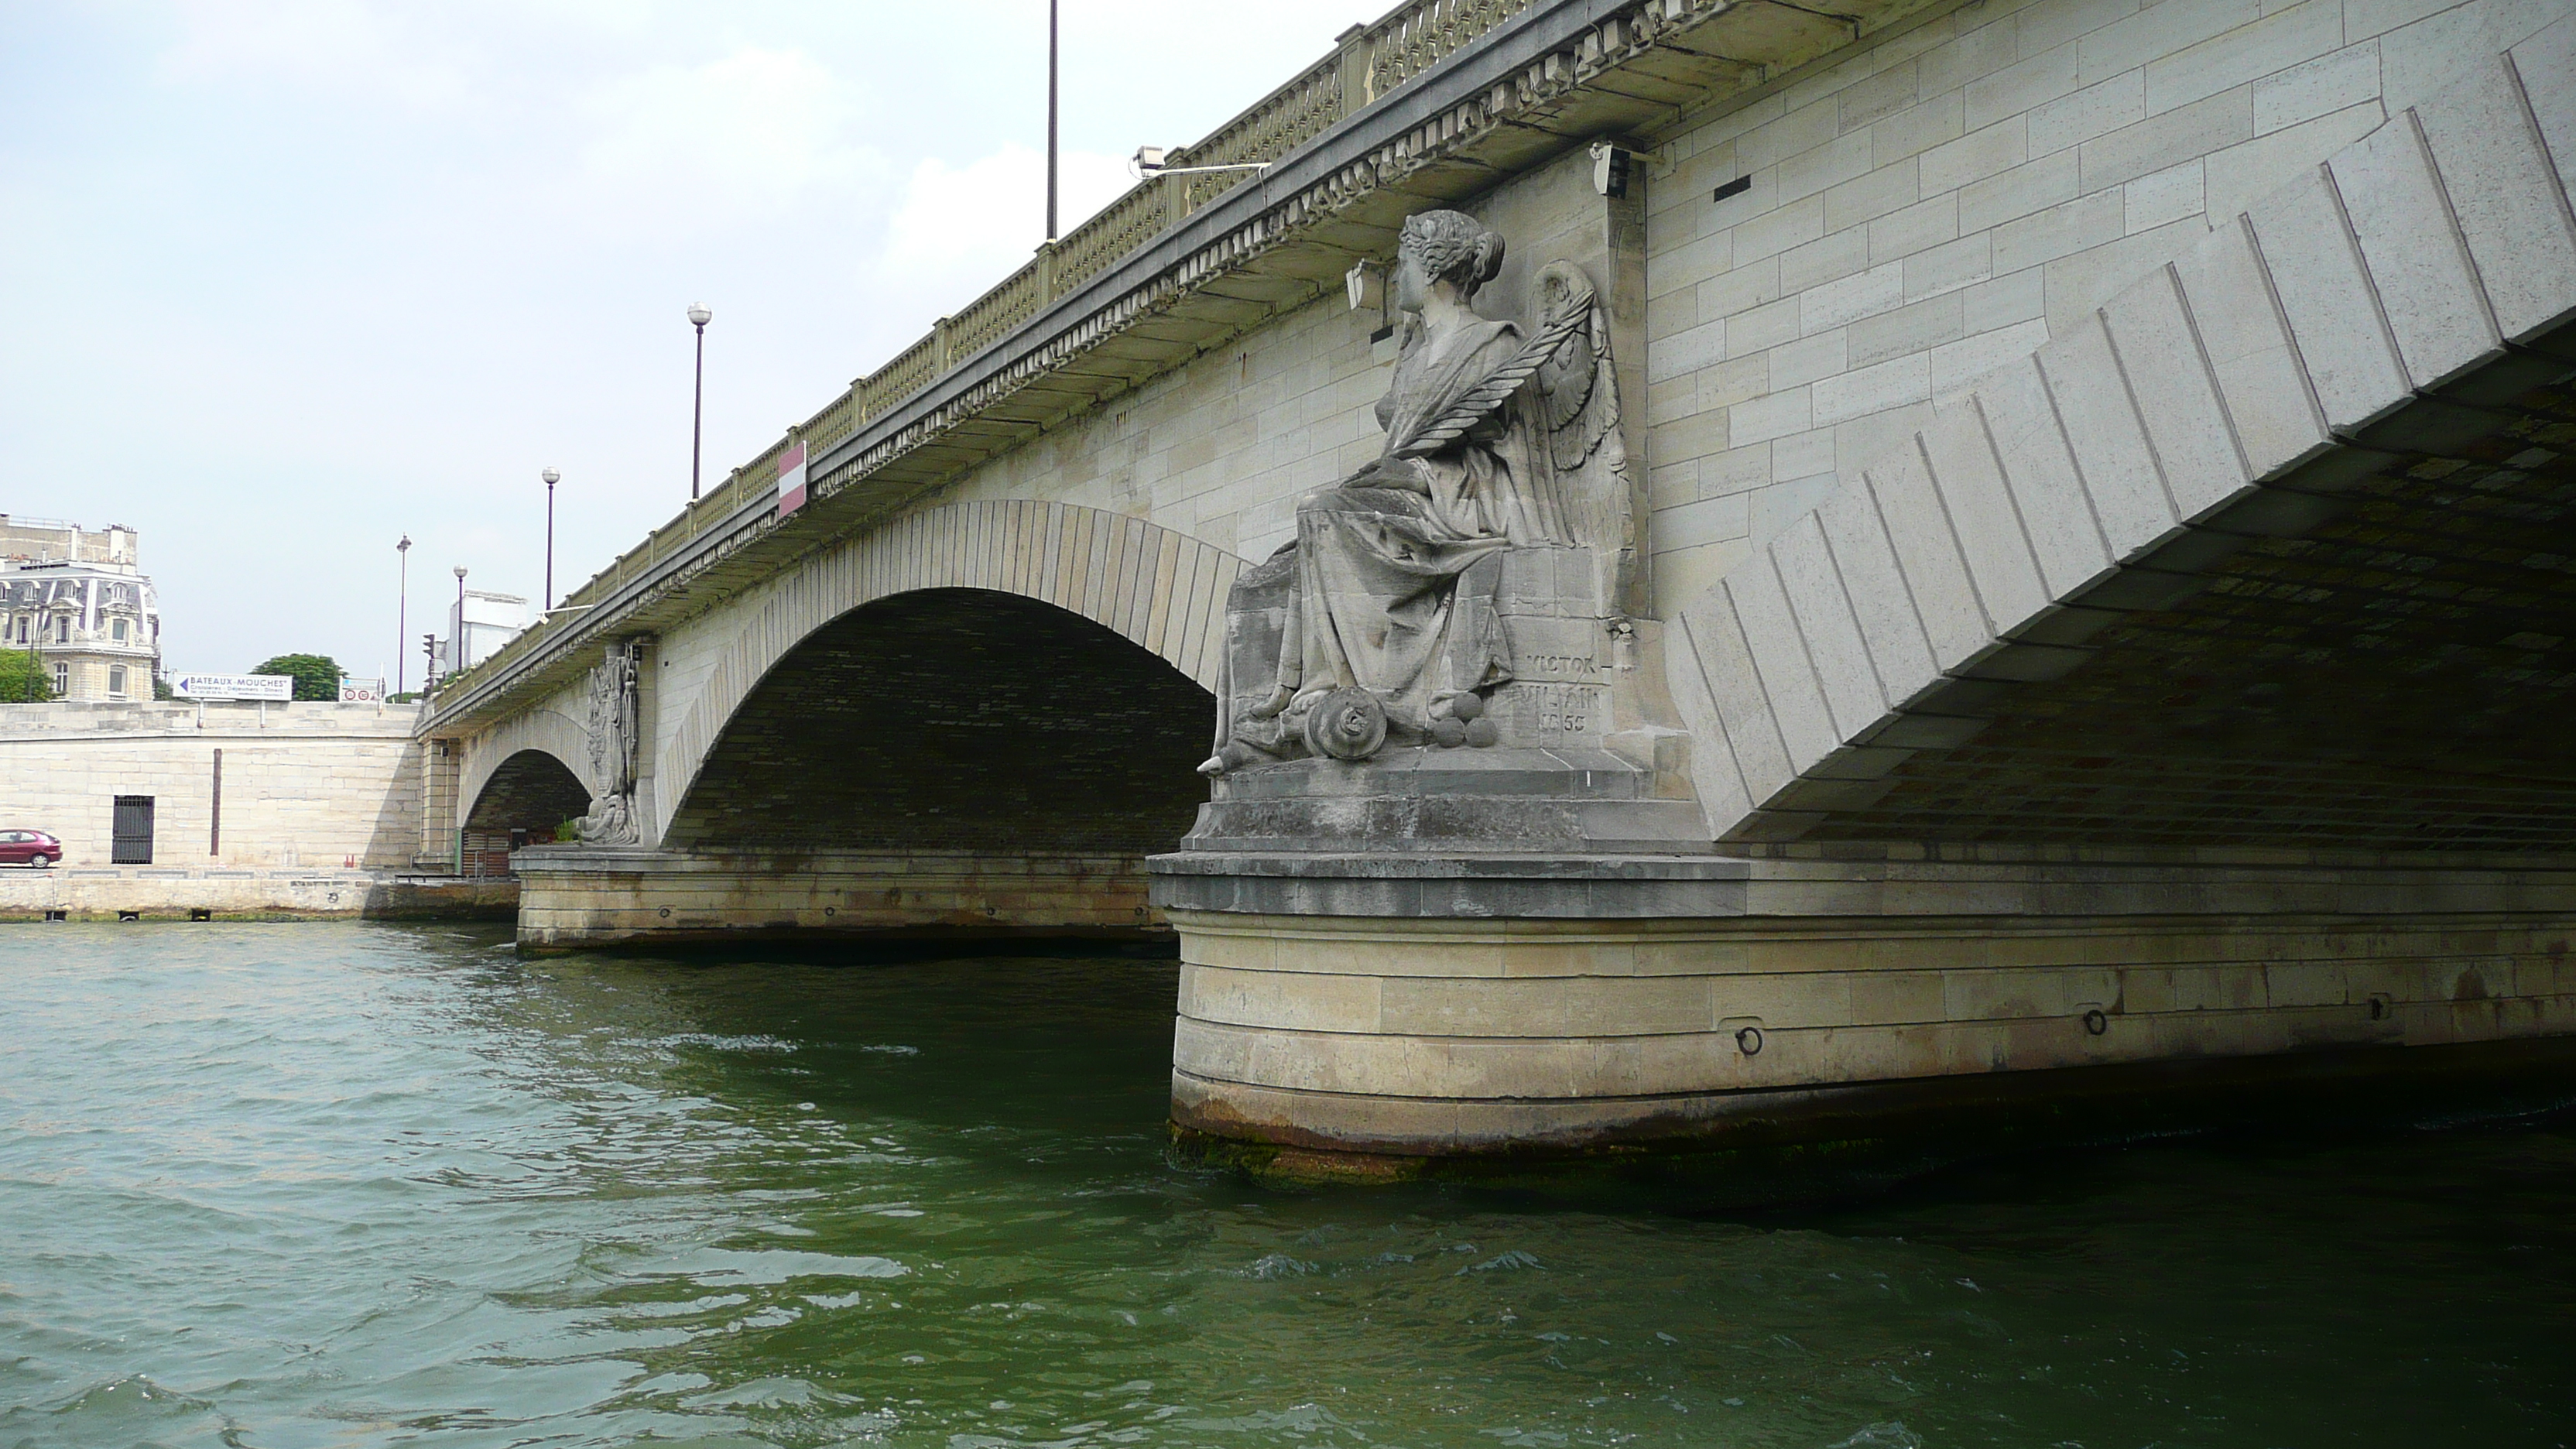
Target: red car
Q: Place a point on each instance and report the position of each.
(29, 847)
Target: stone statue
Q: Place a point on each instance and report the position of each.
(612, 730)
(611, 821)
(1388, 618)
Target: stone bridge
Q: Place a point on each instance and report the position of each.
(2103, 588)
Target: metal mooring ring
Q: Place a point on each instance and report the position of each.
(1748, 1040)
(2095, 1023)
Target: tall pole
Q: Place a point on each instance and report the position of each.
(699, 317)
(402, 609)
(1051, 115)
(550, 475)
(456, 663)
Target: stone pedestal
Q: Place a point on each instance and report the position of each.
(1390, 1011)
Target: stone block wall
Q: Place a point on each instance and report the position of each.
(588, 897)
(315, 785)
(1221, 448)
(2303, 492)
(1435, 1034)
(1941, 200)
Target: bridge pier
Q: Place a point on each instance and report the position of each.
(1375, 1015)
(577, 897)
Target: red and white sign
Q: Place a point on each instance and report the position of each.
(791, 478)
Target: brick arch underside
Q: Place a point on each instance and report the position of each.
(956, 720)
(1158, 593)
(2272, 551)
(532, 791)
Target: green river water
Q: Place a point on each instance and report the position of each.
(352, 1185)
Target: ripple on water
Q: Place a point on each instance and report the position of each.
(334, 1185)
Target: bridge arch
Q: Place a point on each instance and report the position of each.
(1160, 590)
(961, 723)
(509, 757)
(530, 791)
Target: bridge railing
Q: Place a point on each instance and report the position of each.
(1369, 61)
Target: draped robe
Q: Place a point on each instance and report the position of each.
(1384, 597)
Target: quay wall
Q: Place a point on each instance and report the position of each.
(306, 786)
(152, 893)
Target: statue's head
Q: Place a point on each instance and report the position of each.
(1446, 246)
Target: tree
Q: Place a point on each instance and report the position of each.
(316, 677)
(24, 678)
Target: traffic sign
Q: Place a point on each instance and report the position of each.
(233, 686)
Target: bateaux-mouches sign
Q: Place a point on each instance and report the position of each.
(233, 686)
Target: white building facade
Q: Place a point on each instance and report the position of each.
(79, 601)
(478, 624)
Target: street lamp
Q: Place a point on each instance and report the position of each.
(550, 475)
(456, 636)
(699, 317)
(402, 609)
(1051, 113)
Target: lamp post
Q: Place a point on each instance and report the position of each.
(550, 475)
(456, 636)
(1051, 113)
(402, 610)
(699, 317)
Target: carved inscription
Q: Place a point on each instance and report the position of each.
(1555, 666)
(1559, 709)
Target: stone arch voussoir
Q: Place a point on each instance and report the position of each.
(2387, 305)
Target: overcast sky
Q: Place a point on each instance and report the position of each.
(289, 279)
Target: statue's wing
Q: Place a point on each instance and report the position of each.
(1481, 401)
(1579, 395)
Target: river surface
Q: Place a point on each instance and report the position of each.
(339, 1185)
